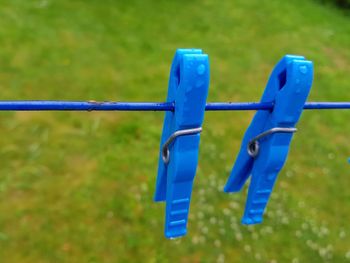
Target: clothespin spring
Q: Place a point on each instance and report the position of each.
(169, 141)
(253, 144)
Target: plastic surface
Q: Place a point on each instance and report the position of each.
(288, 87)
(188, 89)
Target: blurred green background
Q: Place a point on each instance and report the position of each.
(78, 187)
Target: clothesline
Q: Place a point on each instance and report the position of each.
(46, 105)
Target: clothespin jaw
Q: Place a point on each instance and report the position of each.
(266, 142)
(178, 157)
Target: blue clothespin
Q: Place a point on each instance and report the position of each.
(188, 89)
(266, 142)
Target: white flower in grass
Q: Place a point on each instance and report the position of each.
(200, 215)
(270, 214)
(212, 220)
(205, 230)
(250, 228)
(322, 252)
(247, 248)
(195, 240)
(312, 245)
(347, 255)
(342, 234)
(285, 220)
(233, 219)
(221, 258)
(324, 230)
(266, 230)
(257, 256)
(331, 156)
(325, 171)
(217, 243)
(238, 236)
(234, 205)
(289, 173)
(234, 226)
(226, 211)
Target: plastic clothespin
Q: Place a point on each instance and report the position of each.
(266, 142)
(188, 89)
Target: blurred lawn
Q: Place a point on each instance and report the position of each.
(78, 187)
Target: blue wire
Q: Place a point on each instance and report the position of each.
(43, 105)
(150, 106)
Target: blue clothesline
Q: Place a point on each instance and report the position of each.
(44, 105)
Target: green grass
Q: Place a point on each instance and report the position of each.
(78, 187)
